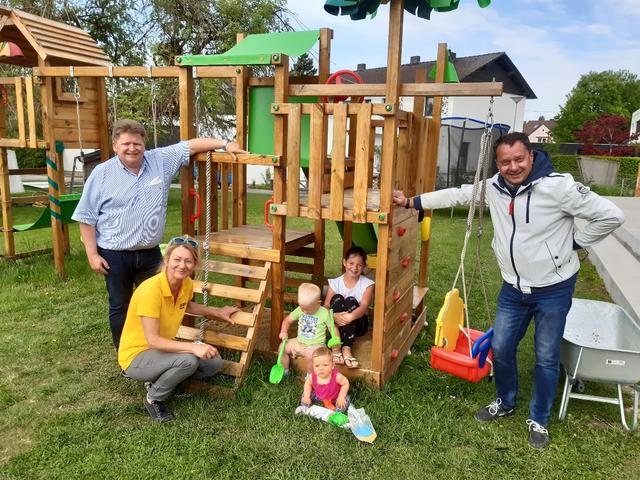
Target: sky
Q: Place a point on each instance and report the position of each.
(551, 42)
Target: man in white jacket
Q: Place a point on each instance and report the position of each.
(535, 242)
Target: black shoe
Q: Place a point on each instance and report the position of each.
(493, 411)
(158, 411)
(538, 435)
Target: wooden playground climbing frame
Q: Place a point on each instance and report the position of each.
(340, 187)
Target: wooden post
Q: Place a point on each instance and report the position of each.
(389, 146)
(281, 87)
(53, 177)
(241, 136)
(319, 226)
(185, 79)
(5, 198)
(637, 192)
(31, 113)
(431, 159)
(103, 119)
(5, 193)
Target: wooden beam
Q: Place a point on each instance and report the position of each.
(118, 72)
(240, 159)
(293, 160)
(338, 152)
(431, 159)
(387, 173)
(470, 89)
(281, 87)
(185, 77)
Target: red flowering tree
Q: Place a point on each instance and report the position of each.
(608, 129)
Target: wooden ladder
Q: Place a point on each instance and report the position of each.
(239, 339)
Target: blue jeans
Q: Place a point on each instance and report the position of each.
(127, 269)
(548, 306)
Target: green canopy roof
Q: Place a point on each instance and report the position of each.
(257, 49)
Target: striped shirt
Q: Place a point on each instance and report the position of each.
(128, 210)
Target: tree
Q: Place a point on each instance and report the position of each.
(608, 129)
(611, 92)
(304, 66)
(139, 32)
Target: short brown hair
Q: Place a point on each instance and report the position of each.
(510, 139)
(128, 126)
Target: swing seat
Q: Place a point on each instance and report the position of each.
(458, 362)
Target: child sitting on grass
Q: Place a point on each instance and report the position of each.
(349, 297)
(325, 385)
(313, 321)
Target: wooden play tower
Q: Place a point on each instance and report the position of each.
(340, 183)
(334, 145)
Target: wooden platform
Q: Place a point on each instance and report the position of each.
(254, 242)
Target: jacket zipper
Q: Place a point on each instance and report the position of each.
(511, 213)
(528, 203)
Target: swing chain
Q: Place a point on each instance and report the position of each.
(76, 96)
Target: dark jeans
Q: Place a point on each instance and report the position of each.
(127, 269)
(357, 328)
(548, 307)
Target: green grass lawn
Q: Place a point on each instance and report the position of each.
(65, 413)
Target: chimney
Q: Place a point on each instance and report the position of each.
(452, 56)
(414, 59)
(361, 66)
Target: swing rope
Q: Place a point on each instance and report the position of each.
(205, 245)
(479, 183)
(207, 216)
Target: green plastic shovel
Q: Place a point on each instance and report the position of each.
(334, 341)
(277, 371)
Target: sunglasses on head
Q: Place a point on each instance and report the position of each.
(183, 241)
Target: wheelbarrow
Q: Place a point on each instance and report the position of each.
(601, 343)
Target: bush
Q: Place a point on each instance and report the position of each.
(30, 157)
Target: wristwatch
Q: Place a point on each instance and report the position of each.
(224, 145)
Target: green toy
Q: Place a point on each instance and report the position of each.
(338, 419)
(277, 371)
(334, 341)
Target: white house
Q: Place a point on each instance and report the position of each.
(635, 125)
(539, 131)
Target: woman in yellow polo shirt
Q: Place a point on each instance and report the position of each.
(148, 351)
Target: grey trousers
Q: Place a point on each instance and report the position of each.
(167, 370)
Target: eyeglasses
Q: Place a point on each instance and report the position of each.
(183, 240)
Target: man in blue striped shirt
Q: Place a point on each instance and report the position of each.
(123, 208)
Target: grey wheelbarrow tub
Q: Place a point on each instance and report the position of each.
(601, 343)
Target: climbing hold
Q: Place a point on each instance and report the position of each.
(404, 317)
(396, 295)
(405, 261)
(401, 231)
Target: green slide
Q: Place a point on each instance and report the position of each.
(68, 204)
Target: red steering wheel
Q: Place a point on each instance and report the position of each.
(336, 78)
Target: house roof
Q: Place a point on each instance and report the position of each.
(532, 125)
(476, 68)
(44, 39)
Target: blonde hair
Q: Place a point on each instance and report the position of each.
(308, 294)
(321, 352)
(171, 247)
